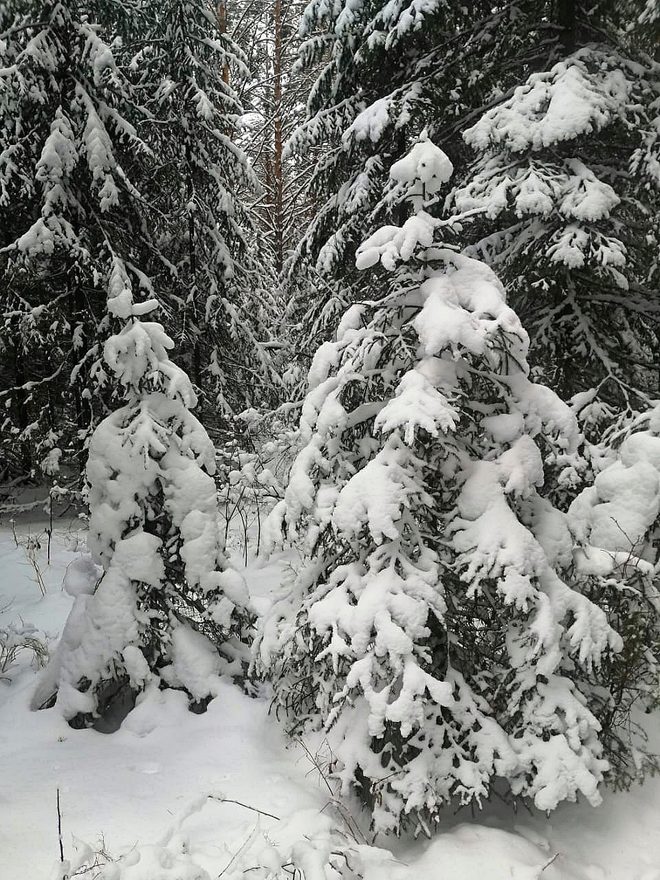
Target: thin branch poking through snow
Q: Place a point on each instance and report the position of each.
(247, 806)
(59, 827)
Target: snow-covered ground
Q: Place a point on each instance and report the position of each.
(123, 791)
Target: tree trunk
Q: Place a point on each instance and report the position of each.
(221, 15)
(20, 400)
(567, 20)
(278, 181)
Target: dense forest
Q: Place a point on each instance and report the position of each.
(372, 285)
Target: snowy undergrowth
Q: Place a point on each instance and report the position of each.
(141, 794)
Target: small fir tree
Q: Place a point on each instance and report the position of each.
(430, 632)
(167, 611)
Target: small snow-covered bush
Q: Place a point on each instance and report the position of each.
(16, 638)
(430, 631)
(167, 610)
(248, 466)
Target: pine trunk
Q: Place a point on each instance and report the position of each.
(278, 181)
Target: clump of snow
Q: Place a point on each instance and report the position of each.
(424, 164)
(616, 519)
(389, 244)
(567, 101)
(195, 663)
(81, 577)
(370, 123)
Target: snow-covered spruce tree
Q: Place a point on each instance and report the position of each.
(380, 67)
(567, 179)
(221, 290)
(429, 630)
(166, 611)
(70, 167)
(616, 524)
(391, 69)
(388, 70)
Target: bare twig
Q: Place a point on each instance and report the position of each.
(59, 827)
(49, 530)
(32, 547)
(246, 806)
(241, 849)
(549, 862)
(350, 822)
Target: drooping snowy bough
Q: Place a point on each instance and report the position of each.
(167, 611)
(567, 179)
(430, 632)
(616, 526)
